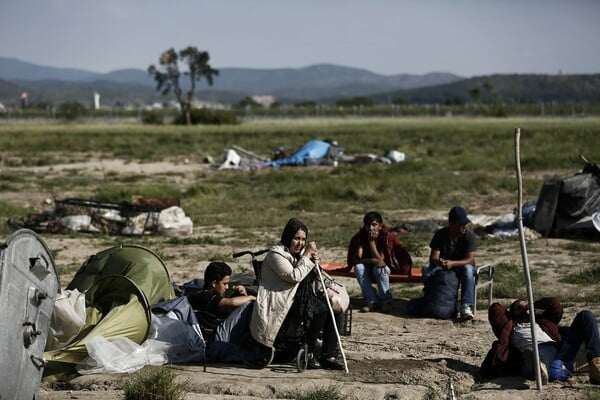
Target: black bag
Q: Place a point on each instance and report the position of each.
(440, 291)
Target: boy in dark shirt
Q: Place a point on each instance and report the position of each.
(222, 318)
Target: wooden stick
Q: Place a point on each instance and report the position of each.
(337, 333)
(536, 354)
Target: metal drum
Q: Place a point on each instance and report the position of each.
(28, 288)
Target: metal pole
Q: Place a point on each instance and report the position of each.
(337, 333)
(536, 354)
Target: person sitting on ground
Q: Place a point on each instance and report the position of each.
(375, 253)
(287, 283)
(222, 312)
(512, 353)
(453, 248)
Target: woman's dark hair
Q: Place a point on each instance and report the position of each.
(372, 216)
(292, 226)
(215, 271)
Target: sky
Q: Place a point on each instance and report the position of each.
(464, 37)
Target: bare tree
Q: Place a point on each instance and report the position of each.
(167, 77)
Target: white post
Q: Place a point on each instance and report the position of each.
(96, 101)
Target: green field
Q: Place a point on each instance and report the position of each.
(450, 161)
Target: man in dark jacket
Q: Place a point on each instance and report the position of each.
(375, 252)
(557, 345)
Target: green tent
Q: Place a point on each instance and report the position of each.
(139, 264)
(120, 284)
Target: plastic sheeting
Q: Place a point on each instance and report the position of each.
(562, 203)
(117, 308)
(311, 151)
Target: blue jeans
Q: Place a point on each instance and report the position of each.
(466, 277)
(583, 330)
(547, 352)
(381, 275)
(228, 335)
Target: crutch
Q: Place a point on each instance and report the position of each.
(337, 333)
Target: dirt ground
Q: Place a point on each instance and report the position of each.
(390, 356)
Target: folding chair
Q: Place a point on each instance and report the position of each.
(486, 270)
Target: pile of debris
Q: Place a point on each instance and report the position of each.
(313, 152)
(142, 215)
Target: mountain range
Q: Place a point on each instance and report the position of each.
(322, 83)
(232, 84)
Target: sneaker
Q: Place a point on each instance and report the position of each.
(595, 371)
(466, 313)
(543, 373)
(529, 362)
(368, 308)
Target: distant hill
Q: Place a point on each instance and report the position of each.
(525, 88)
(12, 69)
(322, 83)
(321, 77)
(289, 84)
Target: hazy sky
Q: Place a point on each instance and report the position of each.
(465, 37)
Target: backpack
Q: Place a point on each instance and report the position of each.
(440, 291)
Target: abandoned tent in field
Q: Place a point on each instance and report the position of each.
(120, 285)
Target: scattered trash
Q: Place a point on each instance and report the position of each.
(67, 319)
(121, 355)
(396, 156)
(315, 152)
(143, 215)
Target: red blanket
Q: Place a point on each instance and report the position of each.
(341, 269)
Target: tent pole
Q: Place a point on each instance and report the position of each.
(536, 354)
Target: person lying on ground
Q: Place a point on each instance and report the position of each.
(375, 253)
(512, 353)
(453, 248)
(222, 312)
(289, 288)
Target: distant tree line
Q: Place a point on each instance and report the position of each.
(72, 110)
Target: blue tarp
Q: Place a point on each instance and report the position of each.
(313, 150)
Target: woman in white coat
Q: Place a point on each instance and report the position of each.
(286, 265)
